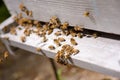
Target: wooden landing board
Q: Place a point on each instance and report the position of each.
(100, 54)
(104, 13)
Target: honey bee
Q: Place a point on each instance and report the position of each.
(58, 33)
(35, 22)
(73, 34)
(30, 13)
(38, 49)
(5, 29)
(78, 28)
(72, 40)
(22, 7)
(23, 38)
(94, 35)
(50, 31)
(57, 42)
(19, 15)
(61, 39)
(51, 47)
(65, 25)
(19, 28)
(54, 21)
(5, 54)
(66, 32)
(75, 51)
(80, 35)
(13, 31)
(44, 39)
(86, 14)
(27, 32)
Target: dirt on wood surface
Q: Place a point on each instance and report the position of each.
(28, 66)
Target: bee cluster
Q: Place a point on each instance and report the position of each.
(64, 54)
(47, 28)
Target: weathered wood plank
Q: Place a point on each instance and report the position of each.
(105, 13)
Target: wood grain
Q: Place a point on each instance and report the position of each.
(104, 13)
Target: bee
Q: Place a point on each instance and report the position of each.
(61, 39)
(72, 40)
(35, 22)
(23, 38)
(86, 14)
(95, 35)
(75, 51)
(30, 13)
(50, 31)
(51, 47)
(80, 35)
(38, 49)
(66, 32)
(57, 42)
(73, 34)
(78, 28)
(58, 33)
(13, 31)
(22, 7)
(65, 25)
(19, 15)
(19, 28)
(27, 32)
(44, 39)
(5, 54)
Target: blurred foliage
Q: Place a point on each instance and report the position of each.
(4, 14)
(59, 74)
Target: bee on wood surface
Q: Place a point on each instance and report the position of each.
(51, 47)
(66, 32)
(50, 31)
(72, 40)
(64, 25)
(78, 28)
(75, 51)
(27, 32)
(19, 28)
(19, 15)
(58, 33)
(44, 39)
(80, 35)
(38, 49)
(95, 35)
(35, 22)
(30, 13)
(73, 34)
(57, 42)
(61, 39)
(13, 31)
(5, 29)
(22, 7)
(23, 38)
(86, 14)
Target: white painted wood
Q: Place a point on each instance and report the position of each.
(100, 54)
(105, 13)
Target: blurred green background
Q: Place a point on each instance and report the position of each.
(4, 13)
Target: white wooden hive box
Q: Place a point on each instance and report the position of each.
(100, 54)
